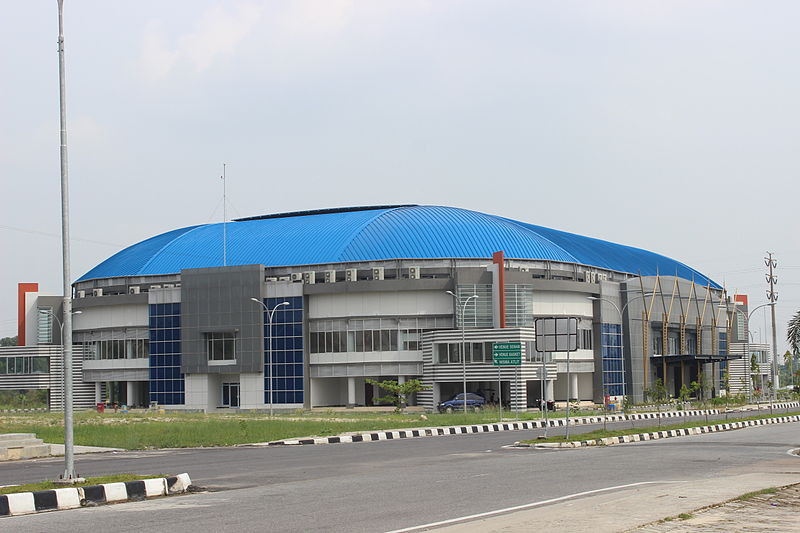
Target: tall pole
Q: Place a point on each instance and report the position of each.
(270, 314)
(224, 218)
(61, 338)
(66, 338)
(772, 296)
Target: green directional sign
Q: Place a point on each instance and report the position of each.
(507, 354)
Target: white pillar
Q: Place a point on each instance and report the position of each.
(351, 392)
(548, 390)
(573, 387)
(98, 391)
(131, 393)
(401, 380)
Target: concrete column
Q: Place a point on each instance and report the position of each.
(401, 380)
(351, 392)
(132, 393)
(573, 386)
(98, 391)
(548, 390)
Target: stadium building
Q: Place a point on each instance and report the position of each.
(298, 309)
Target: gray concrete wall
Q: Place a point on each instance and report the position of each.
(218, 300)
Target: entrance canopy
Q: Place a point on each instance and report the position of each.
(699, 358)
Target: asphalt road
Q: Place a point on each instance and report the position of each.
(387, 485)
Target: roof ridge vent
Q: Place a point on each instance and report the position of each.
(325, 211)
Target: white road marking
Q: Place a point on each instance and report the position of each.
(527, 506)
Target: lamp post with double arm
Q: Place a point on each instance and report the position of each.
(463, 342)
(269, 314)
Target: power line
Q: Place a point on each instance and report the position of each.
(58, 235)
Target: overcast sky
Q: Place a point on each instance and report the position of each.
(671, 126)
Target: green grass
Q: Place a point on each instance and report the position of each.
(135, 431)
(751, 495)
(48, 485)
(601, 434)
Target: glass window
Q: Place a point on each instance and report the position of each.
(41, 365)
(442, 351)
(3, 365)
(385, 344)
(221, 346)
(455, 353)
(359, 337)
(368, 340)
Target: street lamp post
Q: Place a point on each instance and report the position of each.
(69, 449)
(747, 346)
(463, 343)
(270, 314)
(61, 339)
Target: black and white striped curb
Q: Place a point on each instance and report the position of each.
(73, 497)
(478, 428)
(31, 410)
(767, 406)
(638, 437)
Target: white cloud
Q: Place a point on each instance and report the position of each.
(218, 32)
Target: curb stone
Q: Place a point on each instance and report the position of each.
(441, 431)
(73, 497)
(639, 437)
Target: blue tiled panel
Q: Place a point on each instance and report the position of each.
(611, 353)
(287, 351)
(166, 379)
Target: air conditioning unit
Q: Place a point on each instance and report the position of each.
(81, 294)
(330, 276)
(97, 292)
(593, 277)
(377, 273)
(603, 276)
(169, 285)
(310, 277)
(413, 273)
(351, 274)
(284, 278)
(155, 287)
(133, 289)
(271, 279)
(296, 276)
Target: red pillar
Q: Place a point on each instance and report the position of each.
(22, 289)
(499, 260)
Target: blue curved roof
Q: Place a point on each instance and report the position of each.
(376, 233)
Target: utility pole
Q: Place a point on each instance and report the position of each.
(772, 296)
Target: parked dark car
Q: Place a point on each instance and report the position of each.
(456, 403)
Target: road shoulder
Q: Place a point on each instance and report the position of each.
(626, 509)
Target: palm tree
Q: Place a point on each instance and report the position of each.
(793, 333)
(793, 337)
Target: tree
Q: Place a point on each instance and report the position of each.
(793, 333)
(8, 341)
(398, 392)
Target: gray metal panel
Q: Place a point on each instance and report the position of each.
(114, 299)
(378, 286)
(215, 300)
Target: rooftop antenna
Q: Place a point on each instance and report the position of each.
(224, 219)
